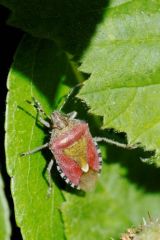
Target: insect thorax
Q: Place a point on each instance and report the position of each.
(61, 123)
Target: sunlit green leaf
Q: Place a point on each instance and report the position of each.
(38, 69)
(5, 228)
(124, 61)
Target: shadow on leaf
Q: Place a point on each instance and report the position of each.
(145, 176)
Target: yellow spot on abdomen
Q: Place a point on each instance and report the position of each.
(78, 153)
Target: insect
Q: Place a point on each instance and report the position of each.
(75, 151)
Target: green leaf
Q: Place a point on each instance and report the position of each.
(124, 61)
(38, 70)
(123, 196)
(5, 228)
(123, 37)
(123, 88)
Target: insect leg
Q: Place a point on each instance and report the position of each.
(40, 112)
(69, 95)
(72, 115)
(49, 168)
(45, 123)
(34, 150)
(122, 145)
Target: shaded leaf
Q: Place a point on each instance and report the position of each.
(71, 24)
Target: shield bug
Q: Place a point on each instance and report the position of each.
(75, 151)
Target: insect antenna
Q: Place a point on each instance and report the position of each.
(38, 107)
(40, 112)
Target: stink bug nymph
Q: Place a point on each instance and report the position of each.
(75, 151)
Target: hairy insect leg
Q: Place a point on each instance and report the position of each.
(72, 115)
(40, 112)
(49, 168)
(69, 95)
(34, 150)
(121, 145)
(43, 122)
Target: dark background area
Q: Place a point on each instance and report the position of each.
(9, 40)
